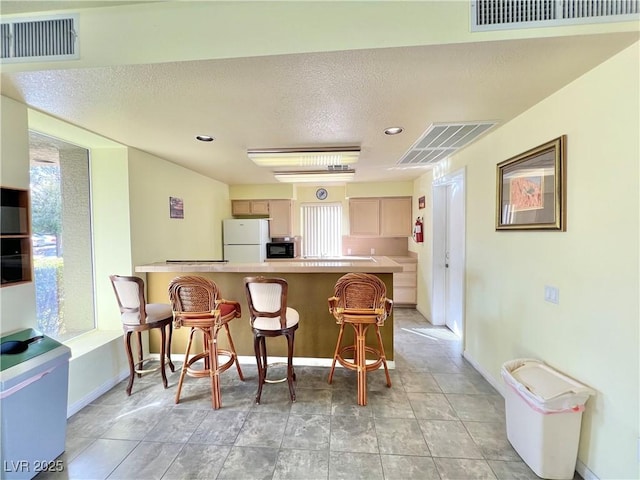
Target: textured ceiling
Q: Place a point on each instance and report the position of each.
(310, 100)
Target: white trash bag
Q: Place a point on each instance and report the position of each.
(544, 389)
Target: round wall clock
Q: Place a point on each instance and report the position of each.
(321, 194)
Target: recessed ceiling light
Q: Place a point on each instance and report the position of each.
(393, 130)
(204, 138)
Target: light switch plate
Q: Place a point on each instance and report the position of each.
(551, 294)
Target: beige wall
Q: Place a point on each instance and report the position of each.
(593, 333)
(154, 236)
(130, 205)
(424, 250)
(17, 302)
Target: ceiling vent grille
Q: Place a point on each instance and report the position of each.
(40, 39)
(509, 14)
(442, 140)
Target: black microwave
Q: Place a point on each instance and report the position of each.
(281, 250)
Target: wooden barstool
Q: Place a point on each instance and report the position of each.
(360, 300)
(138, 316)
(270, 317)
(196, 304)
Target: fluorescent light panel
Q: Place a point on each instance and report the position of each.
(317, 176)
(305, 157)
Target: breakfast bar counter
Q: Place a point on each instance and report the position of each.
(311, 283)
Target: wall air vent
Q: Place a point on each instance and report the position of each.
(510, 14)
(39, 39)
(442, 140)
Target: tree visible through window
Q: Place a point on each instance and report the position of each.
(61, 235)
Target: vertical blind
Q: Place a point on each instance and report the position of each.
(321, 230)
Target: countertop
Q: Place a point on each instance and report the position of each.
(341, 265)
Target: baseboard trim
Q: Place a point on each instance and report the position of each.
(91, 396)
(581, 468)
(297, 361)
(584, 472)
(494, 383)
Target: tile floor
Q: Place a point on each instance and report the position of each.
(439, 420)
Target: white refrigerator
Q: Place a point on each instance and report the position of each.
(245, 240)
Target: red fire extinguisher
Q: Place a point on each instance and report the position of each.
(418, 231)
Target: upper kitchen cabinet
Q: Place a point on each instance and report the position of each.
(395, 217)
(280, 216)
(249, 207)
(364, 217)
(380, 217)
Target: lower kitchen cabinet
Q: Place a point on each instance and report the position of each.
(405, 283)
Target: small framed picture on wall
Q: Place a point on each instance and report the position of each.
(421, 202)
(176, 207)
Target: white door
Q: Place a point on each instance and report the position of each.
(448, 252)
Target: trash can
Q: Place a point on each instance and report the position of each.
(543, 414)
(34, 378)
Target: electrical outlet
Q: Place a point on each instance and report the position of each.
(348, 251)
(373, 251)
(551, 294)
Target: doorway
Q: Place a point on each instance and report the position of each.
(449, 251)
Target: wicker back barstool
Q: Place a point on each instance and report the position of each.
(197, 305)
(360, 300)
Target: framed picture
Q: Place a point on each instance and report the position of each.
(421, 202)
(176, 207)
(531, 189)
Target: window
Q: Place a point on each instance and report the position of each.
(321, 230)
(61, 235)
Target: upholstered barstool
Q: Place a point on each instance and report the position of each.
(138, 316)
(360, 300)
(197, 305)
(270, 317)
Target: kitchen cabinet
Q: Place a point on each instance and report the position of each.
(249, 207)
(364, 216)
(405, 283)
(380, 217)
(280, 218)
(15, 235)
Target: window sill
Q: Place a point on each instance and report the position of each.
(90, 341)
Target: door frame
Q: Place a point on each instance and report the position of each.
(454, 186)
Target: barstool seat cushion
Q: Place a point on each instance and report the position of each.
(273, 323)
(226, 309)
(155, 313)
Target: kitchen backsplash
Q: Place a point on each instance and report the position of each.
(395, 246)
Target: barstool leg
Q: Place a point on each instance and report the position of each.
(290, 373)
(383, 357)
(163, 346)
(139, 365)
(132, 372)
(214, 374)
(170, 328)
(335, 354)
(232, 348)
(361, 357)
(185, 365)
(257, 343)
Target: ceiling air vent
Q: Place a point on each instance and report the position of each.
(442, 140)
(510, 14)
(40, 39)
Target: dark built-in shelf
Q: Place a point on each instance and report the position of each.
(15, 236)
